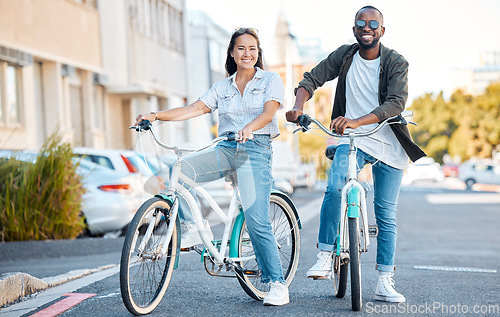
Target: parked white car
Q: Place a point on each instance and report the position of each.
(220, 190)
(483, 172)
(424, 168)
(124, 161)
(111, 198)
(306, 175)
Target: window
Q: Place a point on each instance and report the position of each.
(165, 23)
(176, 29)
(10, 96)
(147, 17)
(1, 96)
(99, 107)
(158, 20)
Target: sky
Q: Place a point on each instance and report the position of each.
(435, 36)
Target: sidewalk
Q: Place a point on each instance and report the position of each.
(27, 267)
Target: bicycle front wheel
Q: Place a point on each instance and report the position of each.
(286, 232)
(145, 274)
(355, 263)
(340, 270)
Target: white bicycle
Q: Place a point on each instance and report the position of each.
(351, 239)
(152, 245)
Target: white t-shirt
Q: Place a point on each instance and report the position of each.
(361, 98)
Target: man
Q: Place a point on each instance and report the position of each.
(372, 86)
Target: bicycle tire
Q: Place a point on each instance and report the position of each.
(355, 263)
(286, 231)
(144, 278)
(340, 271)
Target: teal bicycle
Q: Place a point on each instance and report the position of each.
(153, 242)
(353, 237)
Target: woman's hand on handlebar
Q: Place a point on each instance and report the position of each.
(245, 134)
(147, 116)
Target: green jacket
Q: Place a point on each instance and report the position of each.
(392, 92)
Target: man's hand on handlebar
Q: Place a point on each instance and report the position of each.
(292, 115)
(339, 124)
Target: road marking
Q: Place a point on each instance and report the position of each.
(51, 294)
(453, 269)
(440, 199)
(73, 299)
(309, 211)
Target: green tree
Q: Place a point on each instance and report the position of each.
(465, 125)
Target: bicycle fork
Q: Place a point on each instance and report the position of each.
(352, 205)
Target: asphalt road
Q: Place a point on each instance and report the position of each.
(448, 263)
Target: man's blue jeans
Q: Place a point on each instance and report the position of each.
(386, 182)
(252, 163)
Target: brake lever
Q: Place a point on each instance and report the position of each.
(304, 121)
(144, 125)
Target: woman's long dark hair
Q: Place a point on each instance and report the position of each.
(230, 63)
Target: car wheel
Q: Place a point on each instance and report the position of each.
(469, 182)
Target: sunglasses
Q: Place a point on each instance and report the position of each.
(361, 24)
(243, 30)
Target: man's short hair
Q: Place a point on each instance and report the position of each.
(369, 7)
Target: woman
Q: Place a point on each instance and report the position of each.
(247, 102)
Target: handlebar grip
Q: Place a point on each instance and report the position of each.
(144, 125)
(304, 121)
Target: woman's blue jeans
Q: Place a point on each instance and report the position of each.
(252, 163)
(386, 183)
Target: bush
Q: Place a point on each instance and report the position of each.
(41, 200)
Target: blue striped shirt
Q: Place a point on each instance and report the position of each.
(236, 111)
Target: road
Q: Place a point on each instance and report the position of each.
(448, 263)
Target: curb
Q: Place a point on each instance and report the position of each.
(14, 286)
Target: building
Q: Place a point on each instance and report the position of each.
(86, 68)
(475, 80)
(144, 59)
(208, 45)
(50, 66)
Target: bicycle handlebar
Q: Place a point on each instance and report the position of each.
(304, 121)
(146, 125)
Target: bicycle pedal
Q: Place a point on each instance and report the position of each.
(328, 277)
(373, 231)
(251, 273)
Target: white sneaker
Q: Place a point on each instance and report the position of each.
(278, 295)
(323, 267)
(385, 290)
(190, 235)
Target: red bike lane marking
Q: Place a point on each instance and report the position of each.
(71, 300)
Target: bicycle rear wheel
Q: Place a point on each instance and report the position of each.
(145, 275)
(355, 263)
(286, 232)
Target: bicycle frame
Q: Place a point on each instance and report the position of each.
(176, 188)
(353, 200)
(352, 203)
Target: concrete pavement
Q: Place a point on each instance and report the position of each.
(29, 267)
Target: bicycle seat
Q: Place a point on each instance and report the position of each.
(330, 151)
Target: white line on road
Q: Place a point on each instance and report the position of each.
(310, 210)
(453, 269)
(461, 198)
